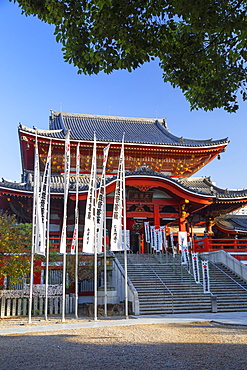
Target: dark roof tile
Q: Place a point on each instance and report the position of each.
(111, 129)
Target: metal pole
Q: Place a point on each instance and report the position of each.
(31, 288)
(76, 278)
(47, 262)
(64, 283)
(77, 225)
(35, 189)
(95, 244)
(64, 234)
(125, 250)
(95, 283)
(47, 243)
(105, 269)
(95, 265)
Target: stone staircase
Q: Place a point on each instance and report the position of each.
(164, 286)
(224, 285)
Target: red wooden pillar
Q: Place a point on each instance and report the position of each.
(206, 244)
(142, 244)
(37, 272)
(2, 279)
(182, 224)
(156, 215)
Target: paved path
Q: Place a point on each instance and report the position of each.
(228, 318)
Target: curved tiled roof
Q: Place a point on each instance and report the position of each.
(111, 129)
(108, 128)
(232, 222)
(206, 186)
(201, 186)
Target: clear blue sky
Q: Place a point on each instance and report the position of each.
(35, 79)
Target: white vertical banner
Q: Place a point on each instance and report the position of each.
(66, 192)
(39, 241)
(172, 242)
(147, 232)
(45, 196)
(195, 266)
(74, 238)
(39, 231)
(101, 202)
(63, 241)
(152, 233)
(117, 216)
(185, 255)
(205, 277)
(182, 239)
(163, 237)
(34, 225)
(89, 227)
(127, 235)
(183, 246)
(75, 233)
(158, 244)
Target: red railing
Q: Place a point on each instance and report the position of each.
(234, 246)
(55, 242)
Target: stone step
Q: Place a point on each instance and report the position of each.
(187, 295)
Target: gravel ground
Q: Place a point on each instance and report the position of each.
(154, 346)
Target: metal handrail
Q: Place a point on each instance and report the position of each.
(187, 269)
(200, 283)
(121, 270)
(230, 277)
(162, 282)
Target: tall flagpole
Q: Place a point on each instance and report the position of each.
(118, 242)
(124, 224)
(31, 284)
(77, 227)
(34, 227)
(101, 219)
(64, 230)
(103, 225)
(47, 231)
(105, 271)
(95, 274)
(89, 235)
(47, 263)
(95, 243)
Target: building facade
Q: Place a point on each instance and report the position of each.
(160, 186)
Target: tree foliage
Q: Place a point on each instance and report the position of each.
(15, 248)
(85, 268)
(201, 44)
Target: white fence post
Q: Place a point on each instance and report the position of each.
(15, 303)
(56, 305)
(50, 306)
(35, 305)
(67, 303)
(8, 307)
(19, 307)
(14, 307)
(24, 306)
(3, 301)
(41, 303)
(60, 305)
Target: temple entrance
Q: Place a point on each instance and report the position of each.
(136, 227)
(135, 241)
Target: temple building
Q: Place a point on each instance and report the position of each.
(160, 184)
